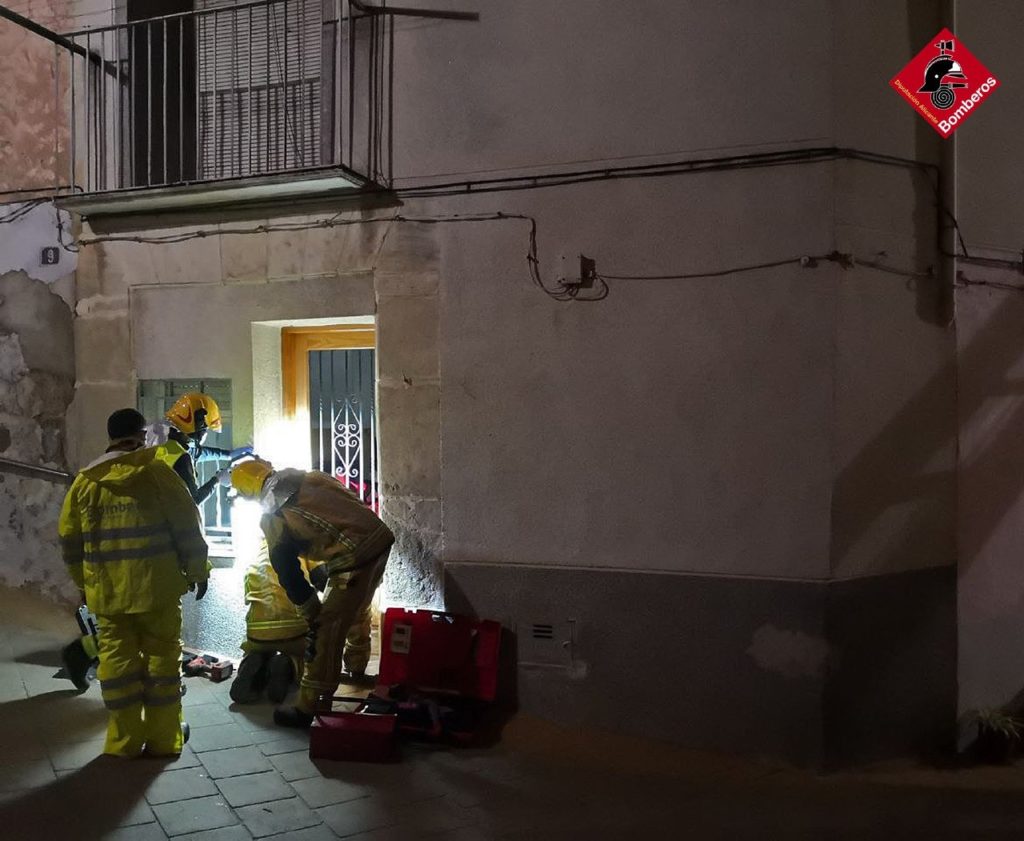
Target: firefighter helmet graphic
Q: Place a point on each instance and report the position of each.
(942, 74)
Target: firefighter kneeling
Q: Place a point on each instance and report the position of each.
(275, 632)
(310, 515)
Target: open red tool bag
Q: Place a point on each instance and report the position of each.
(438, 676)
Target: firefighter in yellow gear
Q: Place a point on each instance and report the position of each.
(275, 632)
(179, 441)
(311, 515)
(131, 539)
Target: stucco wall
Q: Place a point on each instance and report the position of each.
(787, 423)
(990, 207)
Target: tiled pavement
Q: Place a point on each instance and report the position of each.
(242, 778)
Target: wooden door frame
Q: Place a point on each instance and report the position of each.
(297, 342)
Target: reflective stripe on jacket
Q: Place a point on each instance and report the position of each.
(271, 614)
(331, 522)
(309, 514)
(130, 534)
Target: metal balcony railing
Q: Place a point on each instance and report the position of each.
(228, 92)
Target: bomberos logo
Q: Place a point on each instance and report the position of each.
(945, 83)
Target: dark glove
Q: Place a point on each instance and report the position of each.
(199, 587)
(318, 577)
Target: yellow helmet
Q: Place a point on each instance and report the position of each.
(248, 477)
(192, 406)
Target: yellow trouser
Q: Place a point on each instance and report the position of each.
(140, 680)
(341, 632)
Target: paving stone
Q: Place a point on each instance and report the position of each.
(361, 815)
(139, 813)
(278, 817)
(180, 784)
(285, 743)
(218, 737)
(255, 788)
(203, 715)
(234, 762)
(320, 832)
(295, 766)
(70, 757)
(22, 775)
(188, 759)
(20, 753)
(146, 832)
(195, 816)
(225, 833)
(321, 791)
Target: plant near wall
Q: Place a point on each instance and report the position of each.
(999, 733)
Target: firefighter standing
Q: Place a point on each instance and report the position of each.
(132, 541)
(179, 441)
(309, 514)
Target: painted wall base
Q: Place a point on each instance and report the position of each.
(815, 672)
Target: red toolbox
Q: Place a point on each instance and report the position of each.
(438, 674)
(357, 736)
(442, 653)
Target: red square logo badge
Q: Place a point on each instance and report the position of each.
(945, 83)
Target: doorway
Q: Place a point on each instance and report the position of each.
(329, 386)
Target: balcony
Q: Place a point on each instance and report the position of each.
(275, 99)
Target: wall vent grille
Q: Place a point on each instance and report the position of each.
(543, 631)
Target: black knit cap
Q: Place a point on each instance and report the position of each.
(125, 423)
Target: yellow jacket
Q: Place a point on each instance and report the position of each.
(130, 534)
(271, 615)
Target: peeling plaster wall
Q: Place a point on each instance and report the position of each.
(37, 375)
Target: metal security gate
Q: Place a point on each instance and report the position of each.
(155, 398)
(343, 420)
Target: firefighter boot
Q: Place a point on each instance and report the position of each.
(77, 664)
(293, 717)
(281, 673)
(251, 678)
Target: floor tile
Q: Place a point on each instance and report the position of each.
(285, 742)
(146, 832)
(234, 762)
(180, 784)
(69, 757)
(24, 775)
(194, 816)
(224, 833)
(360, 815)
(20, 753)
(255, 788)
(278, 817)
(203, 715)
(318, 791)
(188, 759)
(295, 766)
(218, 737)
(139, 813)
(321, 832)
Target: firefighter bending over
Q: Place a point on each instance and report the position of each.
(309, 514)
(131, 539)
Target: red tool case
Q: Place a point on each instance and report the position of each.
(438, 675)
